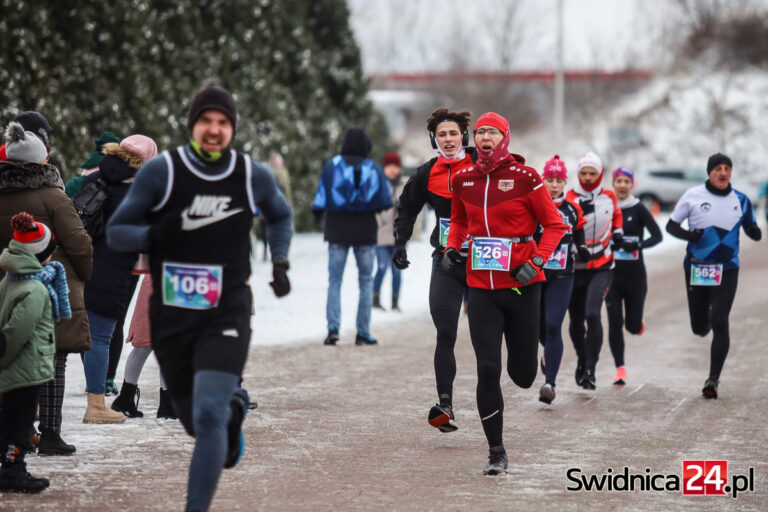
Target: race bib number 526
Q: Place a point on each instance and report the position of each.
(191, 286)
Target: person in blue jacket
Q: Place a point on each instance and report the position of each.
(352, 189)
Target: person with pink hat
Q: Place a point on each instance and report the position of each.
(108, 292)
(556, 291)
(593, 273)
(630, 283)
(500, 202)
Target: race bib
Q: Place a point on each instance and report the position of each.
(191, 286)
(706, 274)
(559, 258)
(621, 254)
(491, 253)
(445, 225)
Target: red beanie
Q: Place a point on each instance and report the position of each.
(493, 119)
(555, 168)
(391, 158)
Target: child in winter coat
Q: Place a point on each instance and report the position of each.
(33, 295)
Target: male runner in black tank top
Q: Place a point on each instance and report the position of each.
(191, 209)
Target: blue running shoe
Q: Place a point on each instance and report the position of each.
(235, 438)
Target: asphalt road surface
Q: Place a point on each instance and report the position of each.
(344, 428)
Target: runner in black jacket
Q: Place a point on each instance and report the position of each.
(431, 184)
(630, 283)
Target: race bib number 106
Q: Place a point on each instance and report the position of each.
(191, 286)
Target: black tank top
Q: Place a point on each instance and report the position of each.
(217, 215)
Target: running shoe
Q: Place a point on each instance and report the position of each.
(332, 338)
(710, 388)
(588, 380)
(621, 376)
(547, 393)
(497, 461)
(579, 375)
(235, 438)
(441, 417)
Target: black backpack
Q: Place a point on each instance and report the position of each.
(90, 204)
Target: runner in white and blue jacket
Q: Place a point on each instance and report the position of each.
(715, 212)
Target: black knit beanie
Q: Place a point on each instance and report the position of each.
(717, 159)
(36, 123)
(213, 98)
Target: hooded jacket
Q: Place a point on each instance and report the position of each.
(109, 290)
(26, 322)
(38, 190)
(352, 189)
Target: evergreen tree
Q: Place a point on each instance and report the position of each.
(133, 66)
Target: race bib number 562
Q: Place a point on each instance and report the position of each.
(191, 286)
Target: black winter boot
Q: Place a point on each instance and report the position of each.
(51, 443)
(395, 298)
(165, 409)
(14, 476)
(376, 301)
(127, 402)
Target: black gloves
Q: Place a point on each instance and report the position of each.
(753, 232)
(630, 246)
(523, 274)
(450, 258)
(281, 285)
(166, 230)
(584, 253)
(400, 257)
(675, 229)
(617, 239)
(695, 235)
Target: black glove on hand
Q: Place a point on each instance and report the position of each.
(166, 230)
(617, 240)
(523, 274)
(281, 285)
(695, 235)
(450, 258)
(630, 246)
(753, 232)
(400, 257)
(584, 253)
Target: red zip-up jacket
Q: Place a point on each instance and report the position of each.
(508, 202)
(603, 218)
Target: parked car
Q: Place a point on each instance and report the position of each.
(661, 188)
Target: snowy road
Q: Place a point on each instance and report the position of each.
(345, 428)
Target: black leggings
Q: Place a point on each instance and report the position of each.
(555, 295)
(709, 307)
(629, 286)
(446, 292)
(586, 329)
(513, 315)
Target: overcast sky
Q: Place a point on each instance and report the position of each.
(432, 35)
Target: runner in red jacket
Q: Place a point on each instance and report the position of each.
(592, 279)
(500, 202)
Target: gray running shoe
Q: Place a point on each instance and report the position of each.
(497, 461)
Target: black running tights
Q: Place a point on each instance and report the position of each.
(628, 289)
(514, 315)
(586, 329)
(709, 308)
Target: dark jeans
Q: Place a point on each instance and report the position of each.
(19, 408)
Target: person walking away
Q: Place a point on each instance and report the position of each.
(499, 203)
(108, 292)
(626, 297)
(33, 295)
(351, 190)
(431, 185)
(558, 270)
(192, 211)
(715, 212)
(29, 183)
(592, 277)
(385, 242)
